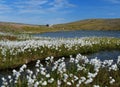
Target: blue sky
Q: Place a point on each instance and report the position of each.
(57, 11)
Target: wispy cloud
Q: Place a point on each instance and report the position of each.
(41, 6)
(34, 6)
(114, 1)
(4, 8)
(111, 14)
(29, 3)
(56, 20)
(61, 4)
(32, 10)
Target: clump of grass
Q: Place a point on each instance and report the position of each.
(12, 38)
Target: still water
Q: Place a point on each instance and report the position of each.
(80, 33)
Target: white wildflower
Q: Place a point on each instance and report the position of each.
(59, 82)
(51, 80)
(36, 84)
(88, 81)
(69, 83)
(44, 83)
(47, 75)
(96, 86)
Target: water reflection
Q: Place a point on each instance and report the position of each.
(106, 55)
(80, 33)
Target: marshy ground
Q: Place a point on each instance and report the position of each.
(79, 71)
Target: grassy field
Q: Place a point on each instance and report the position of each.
(89, 24)
(25, 28)
(92, 24)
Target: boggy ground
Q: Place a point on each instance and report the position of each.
(20, 51)
(78, 71)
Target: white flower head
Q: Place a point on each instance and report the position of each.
(44, 83)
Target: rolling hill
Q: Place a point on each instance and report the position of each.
(92, 24)
(88, 24)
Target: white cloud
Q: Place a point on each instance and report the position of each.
(114, 1)
(1, 1)
(55, 20)
(41, 6)
(33, 20)
(34, 11)
(111, 14)
(59, 4)
(30, 3)
(35, 6)
(4, 8)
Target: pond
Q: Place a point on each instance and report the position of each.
(106, 55)
(80, 33)
(103, 55)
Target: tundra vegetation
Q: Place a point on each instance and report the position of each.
(88, 24)
(77, 71)
(25, 49)
(65, 63)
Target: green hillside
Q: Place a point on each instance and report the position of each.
(89, 24)
(19, 27)
(25, 28)
(92, 24)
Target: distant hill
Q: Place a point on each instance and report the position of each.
(92, 24)
(88, 24)
(20, 27)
